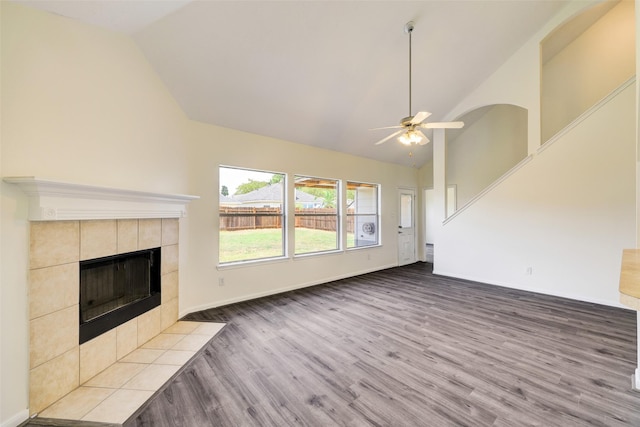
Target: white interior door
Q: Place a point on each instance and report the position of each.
(406, 227)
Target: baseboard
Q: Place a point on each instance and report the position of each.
(280, 290)
(532, 289)
(16, 419)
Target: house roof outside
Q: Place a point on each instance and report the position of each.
(226, 200)
(272, 193)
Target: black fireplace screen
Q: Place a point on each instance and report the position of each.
(116, 289)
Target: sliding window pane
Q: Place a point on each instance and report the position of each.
(362, 215)
(251, 211)
(317, 215)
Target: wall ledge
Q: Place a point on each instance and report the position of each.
(61, 201)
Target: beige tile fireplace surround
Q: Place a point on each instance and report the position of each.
(58, 365)
(70, 223)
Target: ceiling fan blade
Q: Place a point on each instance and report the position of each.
(424, 140)
(388, 127)
(389, 137)
(442, 125)
(420, 117)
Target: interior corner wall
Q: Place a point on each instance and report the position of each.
(212, 146)
(79, 104)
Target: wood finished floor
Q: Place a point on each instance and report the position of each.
(402, 347)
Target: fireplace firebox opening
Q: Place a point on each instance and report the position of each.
(116, 289)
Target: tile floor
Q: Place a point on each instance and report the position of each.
(116, 393)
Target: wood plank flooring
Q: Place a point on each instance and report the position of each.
(402, 347)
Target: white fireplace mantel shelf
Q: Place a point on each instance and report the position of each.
(61, 201)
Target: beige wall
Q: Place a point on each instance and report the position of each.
(213, 146)
(79, 104)
(82, 105)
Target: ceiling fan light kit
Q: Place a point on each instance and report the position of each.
(409, 133)
(410, 137)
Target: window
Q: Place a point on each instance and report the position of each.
(317, 215)
(252, 215)
(362, 215)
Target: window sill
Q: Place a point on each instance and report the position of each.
(251, 263)
(359, 248)
(316, 254)
(257, 262)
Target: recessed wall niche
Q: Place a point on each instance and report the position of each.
(583, 61)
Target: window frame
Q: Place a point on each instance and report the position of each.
(377, 233)
(337, 215)
(283, 219)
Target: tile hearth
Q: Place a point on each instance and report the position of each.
(117, 392)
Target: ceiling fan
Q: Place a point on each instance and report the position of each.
(410, 126)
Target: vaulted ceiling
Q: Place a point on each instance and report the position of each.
(321, 73)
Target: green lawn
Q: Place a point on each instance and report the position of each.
(255, 244)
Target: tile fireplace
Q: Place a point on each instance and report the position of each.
(71, 224)
(59, 362)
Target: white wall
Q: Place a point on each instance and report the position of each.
(568, 213)
(485, 149)
(517, 81)
(425, 181)
(598, 61)
(82, 104)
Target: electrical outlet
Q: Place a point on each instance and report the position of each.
(529, 271)
(220, 281)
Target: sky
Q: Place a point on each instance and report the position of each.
(234, 177)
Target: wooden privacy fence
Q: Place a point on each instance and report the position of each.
(252, 218)
(316, 219)
(249, 218)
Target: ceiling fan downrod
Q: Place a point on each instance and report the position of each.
(410, 132)
(408, 28)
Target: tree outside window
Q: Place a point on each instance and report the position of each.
(252, 215)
